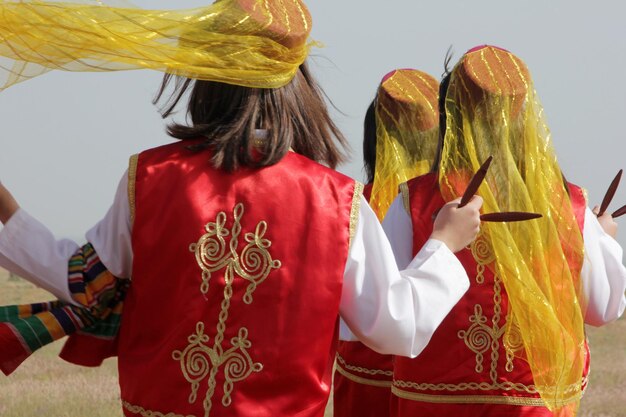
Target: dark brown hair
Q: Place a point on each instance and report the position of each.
(226, 116)
(443, 91)
(369, 142)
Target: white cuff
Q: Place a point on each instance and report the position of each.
(29, 249)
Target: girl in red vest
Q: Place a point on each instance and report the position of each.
(514, 345)
(240, 245)
(401, 132)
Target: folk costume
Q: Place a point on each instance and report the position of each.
(237, 280)
(407, 131)
(515, 344)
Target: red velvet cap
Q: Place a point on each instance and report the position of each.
(488, 72)
(411, 91)
(287, 22)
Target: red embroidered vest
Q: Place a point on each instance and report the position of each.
(465, 370)
(362, 377)
(234, 303)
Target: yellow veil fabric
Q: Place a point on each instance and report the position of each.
(252, 43)
(492, 109)
(407, 130)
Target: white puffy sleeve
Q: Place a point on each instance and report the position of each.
(603, 275)
(392, 311)
(29, 249)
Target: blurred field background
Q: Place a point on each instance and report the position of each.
(47, 386)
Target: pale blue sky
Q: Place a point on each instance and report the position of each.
(66, 138)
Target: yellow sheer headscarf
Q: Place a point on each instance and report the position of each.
(492, 109)
(407, 131)
(252, 43)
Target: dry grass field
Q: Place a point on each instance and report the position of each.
(47, 386)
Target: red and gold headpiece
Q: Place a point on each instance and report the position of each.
(253, 43)
(489, 73)
(407, 129)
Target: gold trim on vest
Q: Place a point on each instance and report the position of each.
(478, 399)
(135, 409)
(467, 399)
(132, 174)
(356, 206)
(361, 380)
(341, 361)
(406, 201)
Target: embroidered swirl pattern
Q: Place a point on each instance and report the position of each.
(512, 341)
(213, 254)
(218, 250)
(483, 255)
(480, 337)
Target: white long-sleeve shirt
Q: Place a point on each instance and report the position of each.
(603, 275)
(391, 311)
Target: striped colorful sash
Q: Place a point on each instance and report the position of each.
(92, 328)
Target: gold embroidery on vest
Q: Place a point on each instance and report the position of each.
(341, 361)
(483, 255)
(512, 341)
(255, 262)
(135, 409)
(198, 361)
(479, 337)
